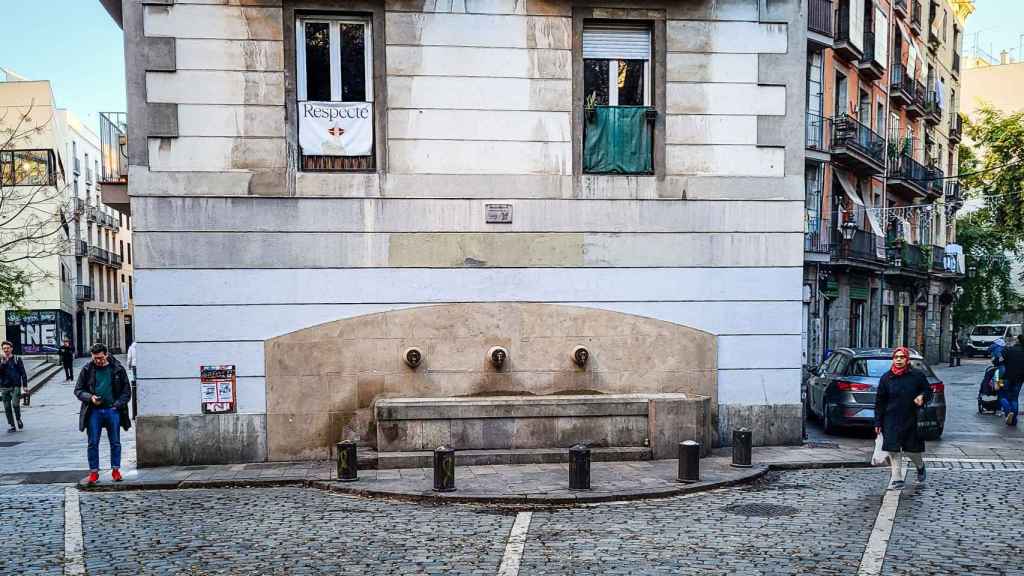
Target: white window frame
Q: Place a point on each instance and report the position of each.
(334, 22)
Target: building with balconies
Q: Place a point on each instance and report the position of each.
(881, 86)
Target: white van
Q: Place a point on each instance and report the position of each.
(983, 335)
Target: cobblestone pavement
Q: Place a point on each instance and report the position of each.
(31, 529)
(286, 531)
(832, 511)
(962, 521)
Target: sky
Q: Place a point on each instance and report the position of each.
(998, 25)
(75, 45)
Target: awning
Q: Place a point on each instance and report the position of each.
(879, 234)
(847, 186)
(912, 55)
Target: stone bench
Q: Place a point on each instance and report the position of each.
(657, 422)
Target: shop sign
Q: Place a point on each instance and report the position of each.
(217, 385)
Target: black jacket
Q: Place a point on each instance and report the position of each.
(67, 354)
(12, 374)
(85, 389)
(895, 411)
(1013, 360)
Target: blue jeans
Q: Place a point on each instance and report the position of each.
(1008, 397)
(104, 419)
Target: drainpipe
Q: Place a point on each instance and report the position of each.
(890, 34)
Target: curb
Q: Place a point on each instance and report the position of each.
(429, 496)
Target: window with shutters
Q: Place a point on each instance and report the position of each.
(334, 89)
(618, 114)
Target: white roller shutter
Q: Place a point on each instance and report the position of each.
(881, 37)
(857, 24)
(617, 42)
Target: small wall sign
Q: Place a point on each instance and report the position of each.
(499, 213)
(217, 385)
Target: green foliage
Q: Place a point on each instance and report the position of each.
(989, 290)
(999, 157)
(13, 284)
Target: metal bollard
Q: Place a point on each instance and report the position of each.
(579, 467)
(742, 440)
(348, 461)
(689, 462)
(444, 469)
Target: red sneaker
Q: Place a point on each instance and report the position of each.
(92, 478)
(116, 475)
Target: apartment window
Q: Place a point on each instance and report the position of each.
(335, 93)
(842, 105)
(27, 168)
(129, 252)
(121, 246)
(131, 290)
(880, 118)
(617, 131)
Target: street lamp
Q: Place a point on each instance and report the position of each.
(972, 271)
(848, 229)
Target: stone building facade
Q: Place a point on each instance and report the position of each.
(881, 260)
(641, 159)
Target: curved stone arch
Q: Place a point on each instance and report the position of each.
(322, 381)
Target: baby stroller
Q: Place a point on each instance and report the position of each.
(988, 396)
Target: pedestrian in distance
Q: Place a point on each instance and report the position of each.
(104, 390)
(67, 360)
(13, 383)
(1013, 377)
(901, 392)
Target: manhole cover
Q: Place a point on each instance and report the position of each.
(761, 510)
(8, 444)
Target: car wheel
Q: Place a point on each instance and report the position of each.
(826, 422)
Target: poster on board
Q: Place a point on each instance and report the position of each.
(217, 389)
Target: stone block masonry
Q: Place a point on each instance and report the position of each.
(239, 248)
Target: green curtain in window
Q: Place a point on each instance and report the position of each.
(617, 141)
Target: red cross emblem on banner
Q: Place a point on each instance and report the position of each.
(335, 131)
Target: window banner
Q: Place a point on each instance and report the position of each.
(336, 128)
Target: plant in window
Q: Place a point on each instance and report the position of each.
(32, 205)
(590, 106)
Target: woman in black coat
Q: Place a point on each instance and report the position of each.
(901, 391)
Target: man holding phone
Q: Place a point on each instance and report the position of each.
(105, 392)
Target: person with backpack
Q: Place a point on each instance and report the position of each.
(13, 383)
(104, 390)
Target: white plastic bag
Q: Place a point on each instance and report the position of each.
(879, 456)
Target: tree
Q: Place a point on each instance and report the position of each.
(997, 170)
(32, 223)
(990, 249)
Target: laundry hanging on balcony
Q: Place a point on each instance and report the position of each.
(617, 141)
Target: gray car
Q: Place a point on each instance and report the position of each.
(841, 392)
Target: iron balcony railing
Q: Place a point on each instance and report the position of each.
(81, 248)
(905, 167)
(931, 103)
(919, 94)
(901, 82)
(83, 293)
(819, 17)
(819, 131)
(98, 254)
(936, 177)
(818, 235)
(76, 166)
(913, 257)
(850, 133)
(869, 47)
(956, 127)
(115, 259)
(113, 148)
(954, 196)
(938, 258)
(843, 22)
(900, 5)
(863, 246)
